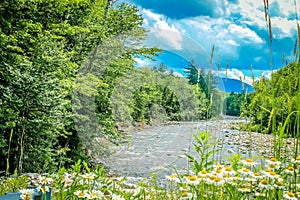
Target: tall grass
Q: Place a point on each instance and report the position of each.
(279, 132)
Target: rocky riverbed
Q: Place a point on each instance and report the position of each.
(161, 148)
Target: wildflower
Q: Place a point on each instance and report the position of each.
(218, 172)
(244, 190)
(202, 174)
(229, 171)
(227, 177)
(184, 188)
(95, 194)
(26, 194)
(256, 175)
(192, 180)
(45, 181)
(289, 170)
(273, 163)
(290, 196)
(272, 175)
(248, 162)
(264, 184)
(244, 172)
(88, 176)
(279, 184)
(266, 172)
(186, 195)
(218, 181)
(172, 178)
(81, 194)
(297, 160)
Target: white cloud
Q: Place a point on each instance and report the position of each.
(245, 34)
(166, 33)
(223, 33)
(236, 74)
(142, 62)
(287, 7)
(282, 27)
(252, 13)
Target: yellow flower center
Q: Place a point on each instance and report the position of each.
(81, 194)
(256, 174)
(192, 178)
(249, 160)
(218, 171)
(212, 178)
(264, 182)
(246, 170)
(228, 169)
(272, 173)
(185, 194)
(172, 176)
(291, 194)
(204, 172)
(272, 165)
(273, 159)
(279, 183)
(268, 170)
(291, 168)
(217, 180)
(298, 158)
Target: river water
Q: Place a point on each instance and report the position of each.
(159, 149)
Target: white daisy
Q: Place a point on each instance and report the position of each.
(273, 163)
(81, 194)
(248, 162)
(192, 180)
(186, 195)
(172, 178)
(289, 195)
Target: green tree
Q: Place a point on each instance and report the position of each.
(43, 43)
(206, 82)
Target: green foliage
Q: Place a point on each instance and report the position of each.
(42, 45)
(205, 149)
(143, 95)
(145, 99)
(237, 104)
(274, 100)
(13, 184)
(206, 83)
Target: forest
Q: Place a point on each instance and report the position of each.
(68, 77)
(63, 64)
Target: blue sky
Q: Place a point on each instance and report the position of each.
(188, 30)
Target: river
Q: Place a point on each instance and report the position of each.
(158, 149)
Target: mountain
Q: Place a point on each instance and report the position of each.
(233, 85)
